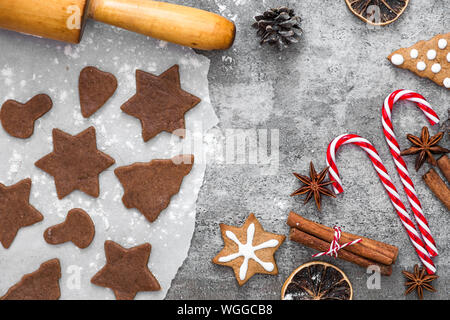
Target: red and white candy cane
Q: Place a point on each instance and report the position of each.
(388, 185)
(402, 170)
(335, 246)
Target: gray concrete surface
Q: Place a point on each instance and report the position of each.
(333, 82)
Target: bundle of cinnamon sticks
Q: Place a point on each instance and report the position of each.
(366, 253)
(436, 184)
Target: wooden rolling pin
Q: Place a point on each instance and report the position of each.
(64, 20)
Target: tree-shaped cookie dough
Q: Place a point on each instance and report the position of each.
(428, 59)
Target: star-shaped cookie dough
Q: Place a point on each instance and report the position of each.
(75, 162)
(126, 271)
(16, 211)
(150, 186)
(160, 103)
(248, 249)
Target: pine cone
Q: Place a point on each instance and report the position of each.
(278, 26)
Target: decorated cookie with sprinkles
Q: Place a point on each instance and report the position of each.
(248, 249)
(428, 59)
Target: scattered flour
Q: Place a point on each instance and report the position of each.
(15, 163)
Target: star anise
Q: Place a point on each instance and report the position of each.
(314, 185)
(425, 147)
(419, 280)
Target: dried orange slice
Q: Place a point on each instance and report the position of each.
(317, 280)
(377, 12)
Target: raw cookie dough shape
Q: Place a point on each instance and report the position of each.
(248, 249)
(43, 284)
(149, 186)
(427, 59)
(75, 162)
(126, 271)
(77, 228)
(95, 88)
(18, 118)
(160, 103)
(16, 211)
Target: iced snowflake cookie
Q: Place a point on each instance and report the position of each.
(428, 59)
(248, 249)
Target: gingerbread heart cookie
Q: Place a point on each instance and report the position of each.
(150, 186)
(428, 59)
(18, 119)
(95, 88)
(77, 228)
(43, 284)
(249, 249)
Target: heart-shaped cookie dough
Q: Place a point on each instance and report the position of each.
(95, 88)
(18, 119)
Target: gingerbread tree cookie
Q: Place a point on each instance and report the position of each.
(248, 249)
(428, 59)
(42, 284)
(150, 186)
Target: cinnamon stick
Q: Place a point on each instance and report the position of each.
(439, 188)
(371, 249)
(444, 164)
(320, 245)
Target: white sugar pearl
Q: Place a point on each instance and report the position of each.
(414, 53)
(442, 44)
(447, 82)
(421, 66)
(397, 59)
(436, 68)
(448, 57)
(431, 54)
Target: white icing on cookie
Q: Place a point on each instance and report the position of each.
(436, 68)
(442, 44)
(397, 59)
(414, 53)
(447, 82)
(421, 66)
(431, 54)
(248, 251)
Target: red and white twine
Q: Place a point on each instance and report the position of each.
(387, 183)
(335, 246)
(402, 170)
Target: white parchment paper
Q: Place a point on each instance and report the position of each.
(30, 65)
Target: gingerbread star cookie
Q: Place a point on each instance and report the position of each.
(160, 103)
(126, 271)
(95, 88)
(150, 186)
(78, 228)
(248, 249)
(43, 284)
(75, 162)
(428, 59)
(18, 119)
(16, 211)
